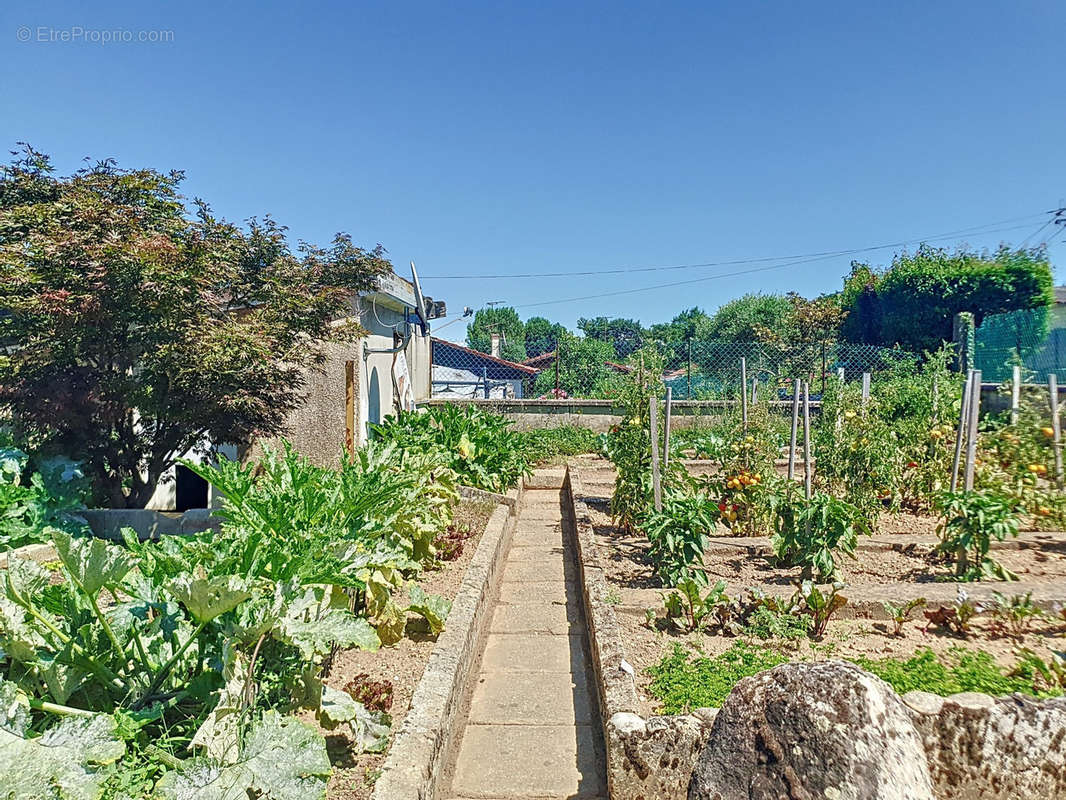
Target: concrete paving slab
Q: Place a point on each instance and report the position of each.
(534, 570)
(535, 552)
(519, 761)
(539, 698)
(538, 592)
(554, 618)
(532, 652)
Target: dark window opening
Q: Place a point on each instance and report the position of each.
(190, 490)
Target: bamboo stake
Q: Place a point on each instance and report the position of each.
(795, 425)
(1053, 396)
(744, 391)
(654, 421)
(806, 440)
(666, 426)
(960, 434)
(1015, 394)
(971, 439)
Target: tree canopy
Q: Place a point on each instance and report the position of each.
(625, 335)
(913, 301)
(132, 331)
(741, 320)
(541, 335)
(503, 320)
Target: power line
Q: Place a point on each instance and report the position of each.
(704, 278)
(973, 230)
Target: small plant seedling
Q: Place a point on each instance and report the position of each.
(649, 617)
(1047, 676)
(375, 695)
(686, 609)
(821, 605)
(1014, 615)
(900, 615)
(612, 598)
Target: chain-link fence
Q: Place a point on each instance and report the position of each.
(694, 369)
(1034, 339)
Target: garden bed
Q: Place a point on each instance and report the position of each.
(401, 665)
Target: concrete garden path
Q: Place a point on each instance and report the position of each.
(531, 730)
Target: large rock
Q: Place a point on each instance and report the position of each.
(1009, 748)
(806, 731)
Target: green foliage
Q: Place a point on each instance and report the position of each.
(583, 369)
(625, 336)
(541, 336)
(960, 671)
(900, 615)
(687, 609)
(681, 683)
(135, 332)
(1014, 614)
(820, 605)
(503, 320)
(970, 521)
(480, 447)
(544, 444)
(811, 534)
(743, 319)
(913, 301)
(678, 536)
(50, 498)
(196, 650)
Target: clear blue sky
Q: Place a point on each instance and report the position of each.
(507, 138)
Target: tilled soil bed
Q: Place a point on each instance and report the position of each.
(896, 565)
(401, 664)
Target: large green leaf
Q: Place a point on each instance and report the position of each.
(14, 710)
(219, 735)
(370, 729)
(282, 759)
(24, 580)
(61, 764)
(92, 563)
(314, 628)
(207, 598)
(431, 606)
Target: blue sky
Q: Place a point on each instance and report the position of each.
(514, 138)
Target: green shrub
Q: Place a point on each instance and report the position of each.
(543, 444)
(678, 535)
(969, 523)
(960, 671)
(681, 683)
(812, 534)
(49, 498)
(480, 447)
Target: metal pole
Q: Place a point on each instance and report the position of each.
(744, 391)
(485, 378)
(795, 426)
(1015, 394)
(558, 356)
(971, 441)
(1053, 396)
(960, 434)
(666, 426)
(806, 440)
(689, 369)
(653, 419)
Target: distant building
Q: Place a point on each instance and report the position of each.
(462, 373)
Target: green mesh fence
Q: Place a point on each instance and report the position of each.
(1035, 339)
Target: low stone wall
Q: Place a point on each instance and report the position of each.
(421, 750)
(975, 746)
(107, 523)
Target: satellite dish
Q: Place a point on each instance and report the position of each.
(420, 302)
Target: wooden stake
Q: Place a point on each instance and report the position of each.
(1053, 396)
(865, 388)
(840, 374)
(960, 434)
(806, 440)
(1015, 394)
(754, 390)
(666, 426)
(971, 439)
(936, 399)
(654, 420)
(744, 391)
(795, 425)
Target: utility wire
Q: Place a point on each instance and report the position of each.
(974, 230)
(823, 257)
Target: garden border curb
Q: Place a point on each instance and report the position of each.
(419, 754)
(647, 759)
